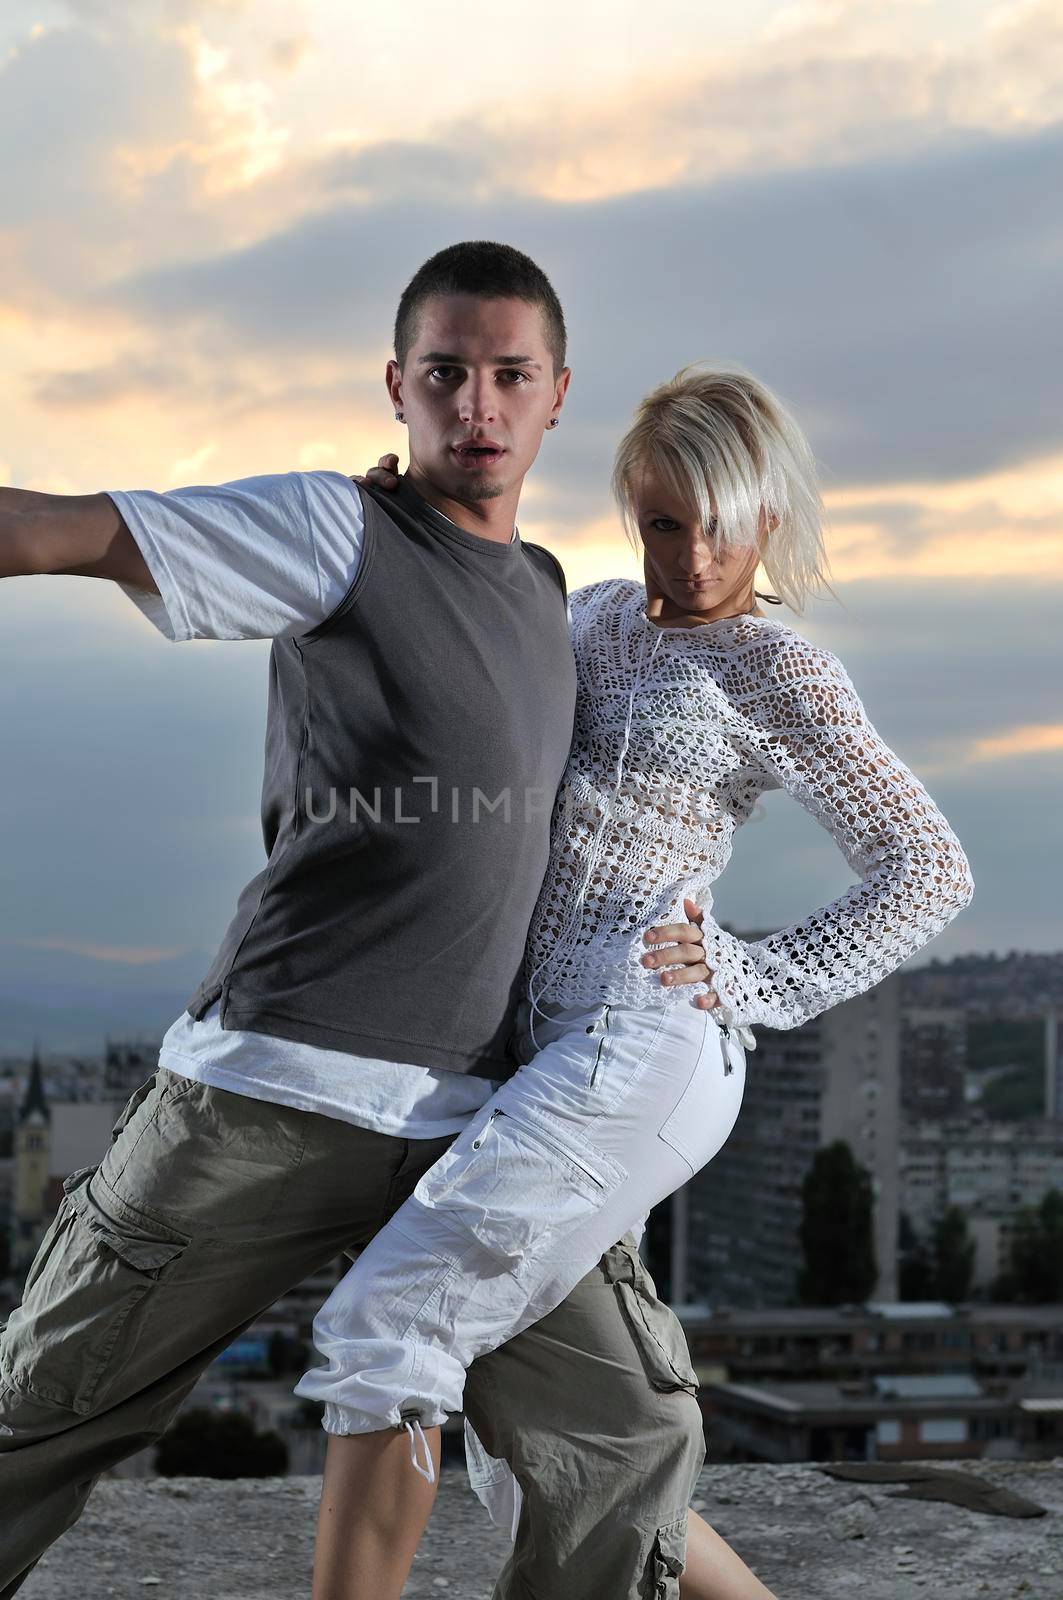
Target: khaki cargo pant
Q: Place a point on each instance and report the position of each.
(207, 1207)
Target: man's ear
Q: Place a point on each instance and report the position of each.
(393, 379)
(561, 383)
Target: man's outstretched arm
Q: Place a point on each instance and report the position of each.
(82, 534)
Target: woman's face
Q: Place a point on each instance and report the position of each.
(681, 557)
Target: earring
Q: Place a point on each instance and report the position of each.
(400, 416)
(553, 422)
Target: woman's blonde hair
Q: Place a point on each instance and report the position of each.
(723, 443)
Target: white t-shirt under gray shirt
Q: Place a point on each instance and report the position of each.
(263, 558)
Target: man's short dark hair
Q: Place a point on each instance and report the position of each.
(492, 271)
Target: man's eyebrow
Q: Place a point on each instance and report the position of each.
(442, 359)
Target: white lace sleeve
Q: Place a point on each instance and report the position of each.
(811, 734)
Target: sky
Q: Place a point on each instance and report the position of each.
(208, 211)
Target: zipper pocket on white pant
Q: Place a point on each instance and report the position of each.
(556, 1146)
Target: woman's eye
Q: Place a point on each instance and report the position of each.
(664, 524)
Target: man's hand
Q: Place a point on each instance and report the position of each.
(385, 475)
(686, 951)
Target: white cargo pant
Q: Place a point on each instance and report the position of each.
(617, 1109)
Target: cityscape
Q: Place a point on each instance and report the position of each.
(871, 1269)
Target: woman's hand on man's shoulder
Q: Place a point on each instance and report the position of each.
(385, 475)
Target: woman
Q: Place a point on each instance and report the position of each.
(692, 703)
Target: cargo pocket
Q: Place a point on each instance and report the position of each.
(518, 1183)
(68, 1342)
(135, 1100)
(657, 1331)
(668, 1560)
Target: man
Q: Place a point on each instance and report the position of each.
(420, 712)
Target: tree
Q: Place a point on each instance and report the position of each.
(306, 1413)
(286, 1354)
(837, 1235)
(1035, 1275)
(209, 1444)
(954, 1251)
(915, 1267)
(278, 1353)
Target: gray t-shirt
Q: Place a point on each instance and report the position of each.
(263, 558)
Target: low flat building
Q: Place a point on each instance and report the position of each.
(889, 1417)
(850, 1342)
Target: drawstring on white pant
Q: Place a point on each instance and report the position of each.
(416, 1433)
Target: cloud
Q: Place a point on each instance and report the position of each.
(68, 102)
(115, 13)
(981, 526)
(909, 310)
(132, 956)
(388, 169)
(189, 468)
(877, 247)
(840, 85)
(132, 379)
(319, 455)
(130, 137)
(1031, 739)
(288, 54)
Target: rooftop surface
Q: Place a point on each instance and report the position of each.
(806, 1535)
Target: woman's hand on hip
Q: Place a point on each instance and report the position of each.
(683, 961)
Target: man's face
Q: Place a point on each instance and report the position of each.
(477, 391)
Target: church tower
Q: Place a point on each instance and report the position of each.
(33, 1151)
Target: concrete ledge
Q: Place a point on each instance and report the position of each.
(809, 1537)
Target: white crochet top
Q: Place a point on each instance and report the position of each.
(678, 732)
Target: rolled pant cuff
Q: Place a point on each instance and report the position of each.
(341, 1419)
(345, 1420)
